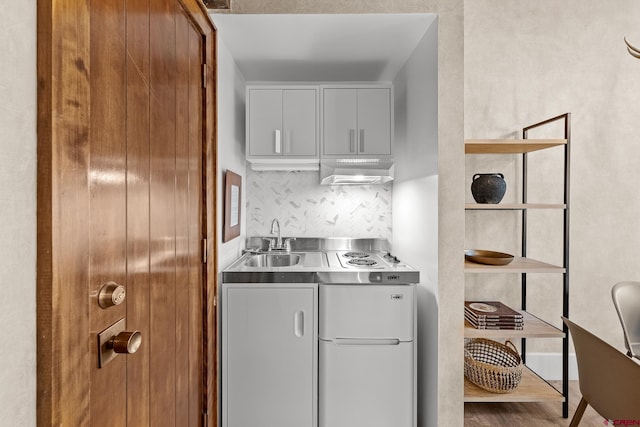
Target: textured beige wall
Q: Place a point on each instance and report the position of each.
(18, 212)
(450, 169)
(524, 62)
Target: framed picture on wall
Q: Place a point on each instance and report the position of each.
(232, 207)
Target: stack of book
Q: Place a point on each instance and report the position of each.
(492, 315)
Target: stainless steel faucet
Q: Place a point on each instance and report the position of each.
(275, 223)
(278, 244)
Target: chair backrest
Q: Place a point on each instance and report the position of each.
(626, 299)
(609, 380)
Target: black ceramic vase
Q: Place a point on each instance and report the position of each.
(488, 187)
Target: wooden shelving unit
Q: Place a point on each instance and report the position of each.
(518, 265)
(513, 206)
(532, 388)
(534, 327)
(509, 146)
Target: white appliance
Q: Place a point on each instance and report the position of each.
(367, 355)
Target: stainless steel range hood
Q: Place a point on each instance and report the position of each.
(356, 171)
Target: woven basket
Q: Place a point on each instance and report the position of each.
(491, 365)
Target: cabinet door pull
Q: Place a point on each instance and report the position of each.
(278, 141)
(287, 141)
(298, 323)
(352, 140)
(362, 140)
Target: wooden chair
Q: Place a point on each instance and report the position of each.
(626, 299)
(609, 380)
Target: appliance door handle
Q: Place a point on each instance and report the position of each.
(298, 323)
(278, 142)
(361, 140)
(366, 341)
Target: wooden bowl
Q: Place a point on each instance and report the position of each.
(487, 257)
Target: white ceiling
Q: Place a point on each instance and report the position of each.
(355, 47)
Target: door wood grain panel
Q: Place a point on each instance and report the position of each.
(196, 220)
(162, 339)
(63, 357)
(138, 249)
(107, 187)
(182, 216)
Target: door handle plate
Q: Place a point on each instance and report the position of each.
(115, 339)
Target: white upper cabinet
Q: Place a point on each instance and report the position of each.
(357, 121)
(282, 122)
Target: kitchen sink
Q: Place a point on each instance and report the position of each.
(273, 260)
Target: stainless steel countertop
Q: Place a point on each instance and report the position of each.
(320, 265)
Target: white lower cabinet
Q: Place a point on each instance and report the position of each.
(269, 355)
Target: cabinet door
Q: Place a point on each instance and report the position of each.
(339, 121)
(299, 122)
(265, 122)
(374, 121)
(269, 357)
(366, 385)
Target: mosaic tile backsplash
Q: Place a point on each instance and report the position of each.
(304, 208)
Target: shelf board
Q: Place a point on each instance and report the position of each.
(532, 388)
(518, 265)
(534, 327)
(509, 146)
(512, 206)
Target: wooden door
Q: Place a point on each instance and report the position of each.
(126, 187)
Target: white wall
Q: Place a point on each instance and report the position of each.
(415, 203)
(231, 156)
(18, 212)
(527, 61)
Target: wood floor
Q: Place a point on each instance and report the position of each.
(528, 414)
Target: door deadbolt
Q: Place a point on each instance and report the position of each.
(111, 294)
(115, 340)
